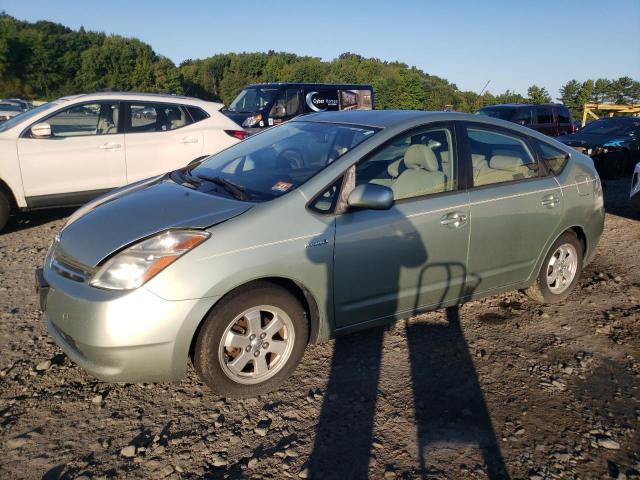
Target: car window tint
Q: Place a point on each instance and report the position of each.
(498, 157)
(413, 165)
(555, 158)
(153, 117)
(544, 115)
(523, 116)
(197, 114)
(563, 116)
(85, 120)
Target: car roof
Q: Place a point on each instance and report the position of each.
(516, 105)
(387, 118)
(136, 96)
(313, 85)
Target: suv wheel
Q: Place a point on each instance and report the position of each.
(252, 341)
(560, 270)
(5, 210)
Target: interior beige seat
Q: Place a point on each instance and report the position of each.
(108, 123)
(422, 175)
(176, 118)
(502, 168)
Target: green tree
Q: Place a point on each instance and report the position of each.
(538, 95)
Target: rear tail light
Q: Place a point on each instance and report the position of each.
(573, 128)
(239, 134)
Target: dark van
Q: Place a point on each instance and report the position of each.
(267, 104)
(551, 119)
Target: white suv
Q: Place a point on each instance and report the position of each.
(65, 152)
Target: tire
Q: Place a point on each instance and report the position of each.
(5, 210)
(239, 353)
(545, 291)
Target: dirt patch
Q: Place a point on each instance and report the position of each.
(498, 388)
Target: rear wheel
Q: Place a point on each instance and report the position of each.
(5, 210)
(252, 341)
(560, 270)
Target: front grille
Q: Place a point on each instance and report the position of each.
(70, 268)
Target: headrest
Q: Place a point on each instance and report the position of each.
(505, 162)
(174, 114)
(419, 156)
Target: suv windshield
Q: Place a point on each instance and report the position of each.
(607, 126)
(25, 116)
(275, 162)
(252, 100)
(11, 107)
(501, 113)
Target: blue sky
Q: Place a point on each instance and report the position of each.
(514, 44)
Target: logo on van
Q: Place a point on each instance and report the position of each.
(317, 103)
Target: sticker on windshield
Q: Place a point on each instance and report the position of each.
(282, 186)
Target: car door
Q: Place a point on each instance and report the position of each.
(514, 207)
(83, 156)
(159, 137)
(393, 263)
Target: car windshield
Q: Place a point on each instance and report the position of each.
(501, 113)
(277, 161)
(25, 116)
(608, 126)
(251, 100)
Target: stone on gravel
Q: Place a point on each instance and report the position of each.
(218, 460)
(97, 400)
(128, 451)
(15, 443)
(608, 444)
(304, 473)
(42, 366)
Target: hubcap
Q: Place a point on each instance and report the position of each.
(561, 269)
(256, 344)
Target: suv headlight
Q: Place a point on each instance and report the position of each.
(136, 265)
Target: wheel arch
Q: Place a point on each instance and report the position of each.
(4, 188)
(297, 289)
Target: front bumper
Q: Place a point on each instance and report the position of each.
(128, 337)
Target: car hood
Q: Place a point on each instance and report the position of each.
(589, 139)
(140, 213)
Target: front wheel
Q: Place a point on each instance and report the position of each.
(560, 270)
(5, 210)
(252, 341)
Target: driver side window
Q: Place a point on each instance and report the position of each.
(85, 120)
(287, 104)
(416, 164)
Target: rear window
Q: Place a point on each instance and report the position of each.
(501, 113)
(197, 114)
(564, 116)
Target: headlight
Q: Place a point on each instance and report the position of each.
(251, 121)
(139, 263)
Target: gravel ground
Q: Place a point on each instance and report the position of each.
(499, 388)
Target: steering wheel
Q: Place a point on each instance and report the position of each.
(291, 157)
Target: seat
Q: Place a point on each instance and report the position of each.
(422, 175)
(108, 122)
(502, 168)
(175, 118)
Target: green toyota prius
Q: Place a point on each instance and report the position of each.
(321, 226)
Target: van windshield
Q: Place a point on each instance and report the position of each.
(277, 161)
(253, 99)
(501, 113)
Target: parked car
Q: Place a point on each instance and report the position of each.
(24, 104)
(267, 104)
(71, 150)
(634, 196)
(613, 143)
(552, 119)
(244, 258)
(9, 110)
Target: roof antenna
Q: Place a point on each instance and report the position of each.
(484, 88)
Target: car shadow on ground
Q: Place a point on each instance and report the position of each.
(616, 198)
(26, 220)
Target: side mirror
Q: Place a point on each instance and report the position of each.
(371, 196)
(41, 130)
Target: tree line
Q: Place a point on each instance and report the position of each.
(45, 60)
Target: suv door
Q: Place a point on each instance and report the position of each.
(393, 263)
(564, 122)
(83, 157)
(159, 137)
(544, 121)
(514, 206)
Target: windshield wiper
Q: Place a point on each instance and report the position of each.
(236, 190)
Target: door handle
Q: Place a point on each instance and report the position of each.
(453, 220)
(550, 201)
(188, 140)
(110, 146)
